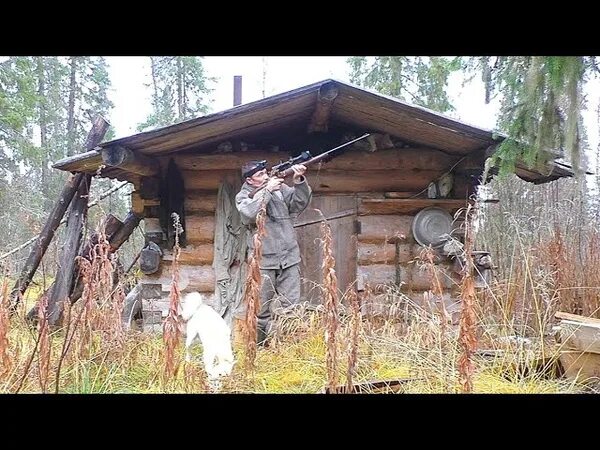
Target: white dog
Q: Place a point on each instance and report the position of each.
(204, 323)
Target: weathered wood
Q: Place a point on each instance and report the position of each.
(343, 241)
(111, 225)
(96, 134)
(338, 215)
(200, 202)
(406, 206)
(584, 337)
(201, 254)
(326, 180)
(400, 194)
(137, 203)
(412, 277)
(207, 180)
(200, 229)
(149, 188)
(66, 272)
(191, 278)
(407, 159)
(325, 99)
(117, 233)
(384, 253)
(376, 229)
(576, 318)
(122, 234)
(126, 159)
(580, 366)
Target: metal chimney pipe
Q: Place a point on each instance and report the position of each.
(237, 90)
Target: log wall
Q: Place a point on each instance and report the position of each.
(384, 183)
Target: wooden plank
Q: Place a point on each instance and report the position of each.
(406, 206)
(384, 253)
(191, 278)
(580, 366)
(576, 318)
(381, 228)
(344, 245)
(584, 337)
(200, 254)
(328, 180)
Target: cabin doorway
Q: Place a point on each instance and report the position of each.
(340, 210)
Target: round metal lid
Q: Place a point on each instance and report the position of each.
(430, 226)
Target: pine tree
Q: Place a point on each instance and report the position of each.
(180, 91)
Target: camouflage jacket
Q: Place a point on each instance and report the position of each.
(279, 246)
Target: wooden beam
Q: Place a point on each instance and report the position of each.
(126, 159)
(584, 337)
(370, 206)
(319, 121)
(576, 318)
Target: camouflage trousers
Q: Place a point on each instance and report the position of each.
(279, 292)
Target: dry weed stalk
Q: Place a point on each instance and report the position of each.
(467, 334)
(331, 308)
(428, 256)
(354, 302)
(252, 289)
(5, 361)
(172, 325)
(44, 339)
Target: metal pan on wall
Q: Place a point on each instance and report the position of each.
(431, 226)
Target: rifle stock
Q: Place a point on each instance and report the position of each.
(313, 160)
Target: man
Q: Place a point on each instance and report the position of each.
(279, 265)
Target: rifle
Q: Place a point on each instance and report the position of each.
(284, 169)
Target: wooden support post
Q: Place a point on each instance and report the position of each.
(66, 272)
(117, 233)
(95, 136)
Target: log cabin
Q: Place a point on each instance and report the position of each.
(415, 162)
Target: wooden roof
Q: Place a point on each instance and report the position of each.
(284, 117)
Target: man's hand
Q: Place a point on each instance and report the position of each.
(273, 184)
(299, 170)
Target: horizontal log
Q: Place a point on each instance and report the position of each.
(193, 254)
(207, 180)
(370, 180)
(126, 159)
(202, 202)
(407, 206)
(384, 253)
(200, 229)
(191, 278)
(390, 159)
(412, 278)
(376, 229)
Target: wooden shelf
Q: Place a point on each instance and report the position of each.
(370, 206)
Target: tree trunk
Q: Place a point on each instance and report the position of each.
(71, 110)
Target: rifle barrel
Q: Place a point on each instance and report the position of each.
(313, 160)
